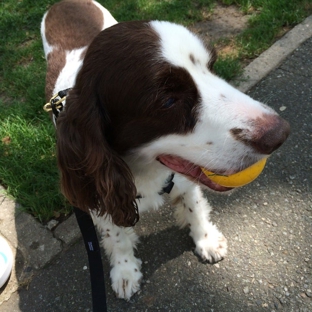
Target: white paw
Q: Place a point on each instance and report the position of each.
(212, 248)
(126, 277)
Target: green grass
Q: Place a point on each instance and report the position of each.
(228, 67)
(179, 11)
(267, 19)
(28, 167)
(27, 153)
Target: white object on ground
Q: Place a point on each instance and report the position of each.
(6, 261)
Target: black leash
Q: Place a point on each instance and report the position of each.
(87, 229)
(95, 261)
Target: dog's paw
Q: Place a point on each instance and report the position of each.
(212, 248)
(126, 277)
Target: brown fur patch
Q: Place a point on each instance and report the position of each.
(69, 25)
(55, 62)
(133, 96)
(127, 86)
(72, 24)
(192, 59)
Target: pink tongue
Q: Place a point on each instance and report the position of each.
(192, 171)
(178, 164)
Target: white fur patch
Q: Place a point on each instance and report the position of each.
(67, 76)
(178, 44)
(119, 244)
(108, 18)
(46, 47)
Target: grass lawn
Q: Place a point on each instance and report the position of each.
(27, 154)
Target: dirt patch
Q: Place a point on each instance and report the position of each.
(223, 22)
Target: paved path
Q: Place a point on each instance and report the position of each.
(268, 225)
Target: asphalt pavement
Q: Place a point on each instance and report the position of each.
(268, 225)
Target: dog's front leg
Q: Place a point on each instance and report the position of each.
(192, 210)
(119, 243)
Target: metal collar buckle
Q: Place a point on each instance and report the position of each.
(56, 103)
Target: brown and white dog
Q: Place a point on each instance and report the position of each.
(144, 103)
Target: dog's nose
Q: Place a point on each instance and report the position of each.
(275, 133)
(267, 135)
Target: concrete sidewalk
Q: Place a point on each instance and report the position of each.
(268, 225)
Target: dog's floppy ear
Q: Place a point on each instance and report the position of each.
(93, 176)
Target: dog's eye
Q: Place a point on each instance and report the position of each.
(169, 103)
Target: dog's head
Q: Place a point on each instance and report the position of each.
(147, 90)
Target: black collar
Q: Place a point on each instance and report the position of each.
(166, 188)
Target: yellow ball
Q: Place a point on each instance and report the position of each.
(237, 179)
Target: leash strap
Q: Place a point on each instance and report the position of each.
(95, 262)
